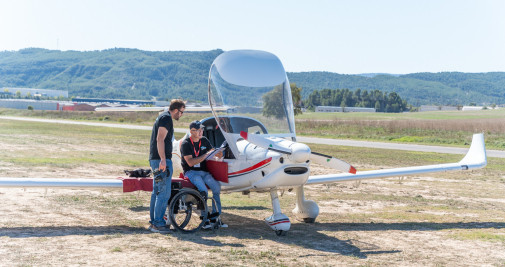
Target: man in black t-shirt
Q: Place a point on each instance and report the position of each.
(160, 158)
(194, 151)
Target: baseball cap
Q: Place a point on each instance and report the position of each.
(195, 125)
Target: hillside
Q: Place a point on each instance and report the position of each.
(136, 74)
(451, 88)
(113, 73)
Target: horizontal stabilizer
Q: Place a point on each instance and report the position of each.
(474, 159)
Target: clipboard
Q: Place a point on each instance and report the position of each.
(220, 149)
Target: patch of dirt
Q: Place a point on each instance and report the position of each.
(421, 221)
(38, 229)
(103, 171)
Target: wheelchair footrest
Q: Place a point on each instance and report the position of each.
(213, 215)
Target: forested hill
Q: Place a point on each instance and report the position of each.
(451, 88)
(136, 74)
(113, 73)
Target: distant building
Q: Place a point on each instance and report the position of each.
(329, 109)
(5, 94)
(67, 106)
(436, 108)
(83, 107)
(467, 108)
(25, 103)
(341, 109)
(245, 110)
(108, 100)
(164, 103)
(35, 92)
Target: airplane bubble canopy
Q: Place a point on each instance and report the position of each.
(253, 84)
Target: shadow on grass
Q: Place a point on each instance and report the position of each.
(246, 208)
(52, 231)
(315, 237)
(146, 208)
(318, 237)
(139, 208)
(307, 236)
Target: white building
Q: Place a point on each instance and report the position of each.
(25, 103)
(436, 108)
(467, 108)
(341, 109)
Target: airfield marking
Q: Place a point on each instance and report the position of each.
(313, 140)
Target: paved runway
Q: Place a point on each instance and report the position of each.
(313, 140)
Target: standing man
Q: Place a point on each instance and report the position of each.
(160, 157)
(194, 151)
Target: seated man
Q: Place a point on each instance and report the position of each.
(194, 150)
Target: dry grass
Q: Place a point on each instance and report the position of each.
(442, 128)
(490, 126)
(426, 131)
(447, 219)
(142, 118)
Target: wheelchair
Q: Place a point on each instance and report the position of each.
(187, 209)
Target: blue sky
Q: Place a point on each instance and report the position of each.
(360, 36)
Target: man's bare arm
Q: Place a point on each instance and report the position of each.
(193, 161)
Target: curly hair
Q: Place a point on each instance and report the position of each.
(177, 104)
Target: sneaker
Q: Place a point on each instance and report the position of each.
(218, 223)
(222, 225)
(150, 227)
(160, 229)
(207, 225)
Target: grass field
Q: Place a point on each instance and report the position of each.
(444, 219)
(440, 128)
(451, 128)
(432, 115)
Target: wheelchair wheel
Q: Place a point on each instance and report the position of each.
(188, 211)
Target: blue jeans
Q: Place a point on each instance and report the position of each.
(161, 193)
(202, 178)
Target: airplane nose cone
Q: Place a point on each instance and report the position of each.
(300, 152)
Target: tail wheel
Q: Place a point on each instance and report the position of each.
(188, 211)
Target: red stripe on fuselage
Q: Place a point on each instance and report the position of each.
(255, 166)
(278, 223)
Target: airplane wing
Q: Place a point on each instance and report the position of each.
(474, 159)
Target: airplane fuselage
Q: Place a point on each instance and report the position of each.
(258, 169)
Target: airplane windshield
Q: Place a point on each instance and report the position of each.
(252, 84)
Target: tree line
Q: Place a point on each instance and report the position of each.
(381, 101)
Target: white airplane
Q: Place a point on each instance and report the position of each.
(262, 154)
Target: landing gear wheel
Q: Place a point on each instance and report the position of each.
(280, 232)
(187, 211)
